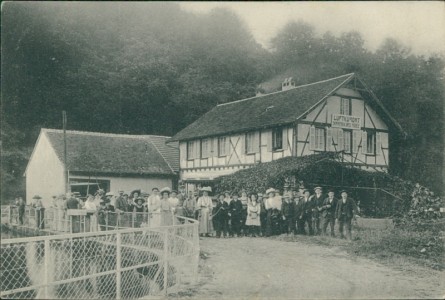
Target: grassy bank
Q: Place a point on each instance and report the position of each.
(398, 246)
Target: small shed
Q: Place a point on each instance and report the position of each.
(99, 160)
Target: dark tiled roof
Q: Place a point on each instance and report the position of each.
(263, 111)
(116, 153)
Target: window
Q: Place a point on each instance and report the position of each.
(370, 142)
(319, 139)
(205, 148)
(347, 138)
(193, 150)
(345, 108)
(222, 146)
(190, 150)
(277, 138)
(250, 140)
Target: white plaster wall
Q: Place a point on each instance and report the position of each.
(131, 183)
(44, 175)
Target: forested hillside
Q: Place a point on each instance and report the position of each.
(153, 68)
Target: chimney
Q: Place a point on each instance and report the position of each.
(287, 84)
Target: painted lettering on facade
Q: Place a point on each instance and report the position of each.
(344, 121)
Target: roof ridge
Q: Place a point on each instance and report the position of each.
(291, 89)
(95, 133)
(163, 157)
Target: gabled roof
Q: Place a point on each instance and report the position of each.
(279, 108)
(263, 111)
(119, 154)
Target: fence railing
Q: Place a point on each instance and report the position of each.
(80, 220)
(120, 264)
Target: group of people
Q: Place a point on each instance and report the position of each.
(273, 213)
(226, 214)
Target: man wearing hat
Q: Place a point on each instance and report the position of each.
(287, 211)
(235, 211)
(328, 212)
(189, 205)
(39, 212)
(317, 202)
(344, 213)
(305, 213)
(121, 204)
(204, 206)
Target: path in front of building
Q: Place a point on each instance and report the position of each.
(260, 268)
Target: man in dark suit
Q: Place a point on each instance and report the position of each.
(317, 202)
(287, 212)
(221, 217)
(344, 213)
(328, 212)
(305, 208)
(235, 210)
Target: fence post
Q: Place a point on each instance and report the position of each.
(9, 215)
(196, 249)
(47, 261)
(166, 260)
(118, 265)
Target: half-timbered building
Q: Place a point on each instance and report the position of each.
(339, 114)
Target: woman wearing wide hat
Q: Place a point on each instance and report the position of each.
(166, 208)
(204, 206)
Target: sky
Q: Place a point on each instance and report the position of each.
(418, 25)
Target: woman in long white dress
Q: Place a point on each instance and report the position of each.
(91, 208)
(204, 206)
(154, 208)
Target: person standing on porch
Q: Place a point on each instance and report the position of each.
(204, 207)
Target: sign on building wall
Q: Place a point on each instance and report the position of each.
(345, 121)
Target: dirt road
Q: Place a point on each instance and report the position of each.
(254, 268)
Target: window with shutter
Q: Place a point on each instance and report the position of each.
(222, 146)
(328, 138)
(250, 143)
(371, 142)
(190, 150)
(339, 139)
(269, 140)
(277, 138)
(364, 140)
(347, 140)
(312, 138)
(319, 139)
(197, 148)
(378, 143)
(355, 140)
(256, 142)
(285, 139)
(345, 108)
(205, 148)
